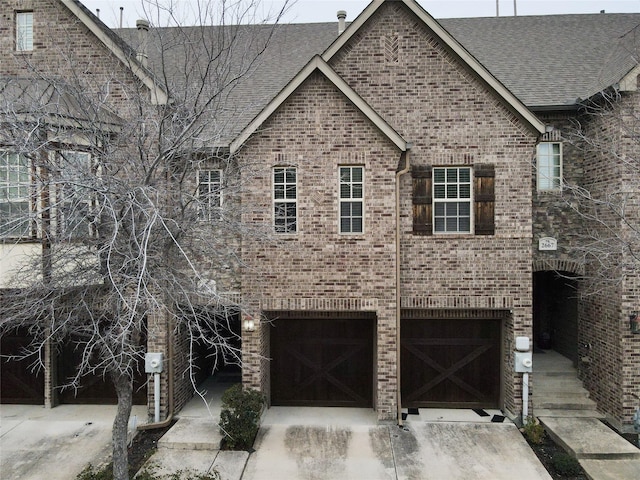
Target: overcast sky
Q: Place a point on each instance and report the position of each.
(303, 11)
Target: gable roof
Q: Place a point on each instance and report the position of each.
(317, 63)
(449, 42)
(548, 62)
(553, 61)
(118, 47)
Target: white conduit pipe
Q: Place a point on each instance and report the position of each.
(525, 396)
(156, 397)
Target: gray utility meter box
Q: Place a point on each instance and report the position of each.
(153, 363)
(524, 362)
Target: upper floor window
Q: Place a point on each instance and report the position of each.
(15, 195)
(76, 196)
(209, 193)
(452, 200)
(285, 200)
(549, 162)
(351, 199)
(24, 31)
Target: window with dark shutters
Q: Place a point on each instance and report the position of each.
(483, 199)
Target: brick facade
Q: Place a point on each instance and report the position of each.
(398, 66)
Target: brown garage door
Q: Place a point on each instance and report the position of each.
(322, 362)
(451, 363)
(19, 381)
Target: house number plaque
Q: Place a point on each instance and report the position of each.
(547, 243)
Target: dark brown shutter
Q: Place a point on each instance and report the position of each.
(422, 200)
(484, 199)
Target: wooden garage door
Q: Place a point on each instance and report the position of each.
(94, 389)
(322, 362)
(19, 381)
(451, 363)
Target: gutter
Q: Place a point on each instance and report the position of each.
(407, 167)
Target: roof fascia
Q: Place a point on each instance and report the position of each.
(629, 83)
(317, 63)
(450, 43)
(158, 95)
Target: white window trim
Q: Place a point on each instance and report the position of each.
(469, 200)
(29, 199)
(551, 179)
(207, 212)
(351, 199)
(24, 31)
(285, 200)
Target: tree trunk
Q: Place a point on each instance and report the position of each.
(124, 389)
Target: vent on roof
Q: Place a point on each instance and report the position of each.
(143, 29)
(342, 16)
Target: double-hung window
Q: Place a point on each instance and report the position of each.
(351, 199)
(15, 195)
(549, 158)
(75, 205)
(24, 31)
(285, 200)
(209, 193)
(452, 199)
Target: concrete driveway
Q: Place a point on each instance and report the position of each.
(299, 444)
(55, 444)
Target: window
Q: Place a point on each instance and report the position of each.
(285, 204)
(24, 31)
(209, 193)
(15, 192)
(452, 212)
(75, 205)
(351, 199)
(549, 166)
(452, 200)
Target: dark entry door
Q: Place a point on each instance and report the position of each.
(450, 363)
(322, 362)
(20, 382)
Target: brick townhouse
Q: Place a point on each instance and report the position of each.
(412, 175)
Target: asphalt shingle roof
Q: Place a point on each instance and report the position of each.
(546, 61)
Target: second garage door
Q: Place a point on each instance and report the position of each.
(451, 363)
(322, 362)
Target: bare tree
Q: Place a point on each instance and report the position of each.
(126, 211)
(606, 197)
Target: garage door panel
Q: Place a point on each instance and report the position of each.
(322, 362)
(450, 363)
(21, 381)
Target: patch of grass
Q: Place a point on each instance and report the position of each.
(565, 464)
(91, 473)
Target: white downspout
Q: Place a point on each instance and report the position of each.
(525, 396)
(405, 170)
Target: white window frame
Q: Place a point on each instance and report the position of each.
(352, 196)
(209, 194)
(450, 193)
(285, 200)
(74, 182)
(16, 188)
(24, 31)
(549, 167)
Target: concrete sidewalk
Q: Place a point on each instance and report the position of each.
(55, 444)
(603, 454)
